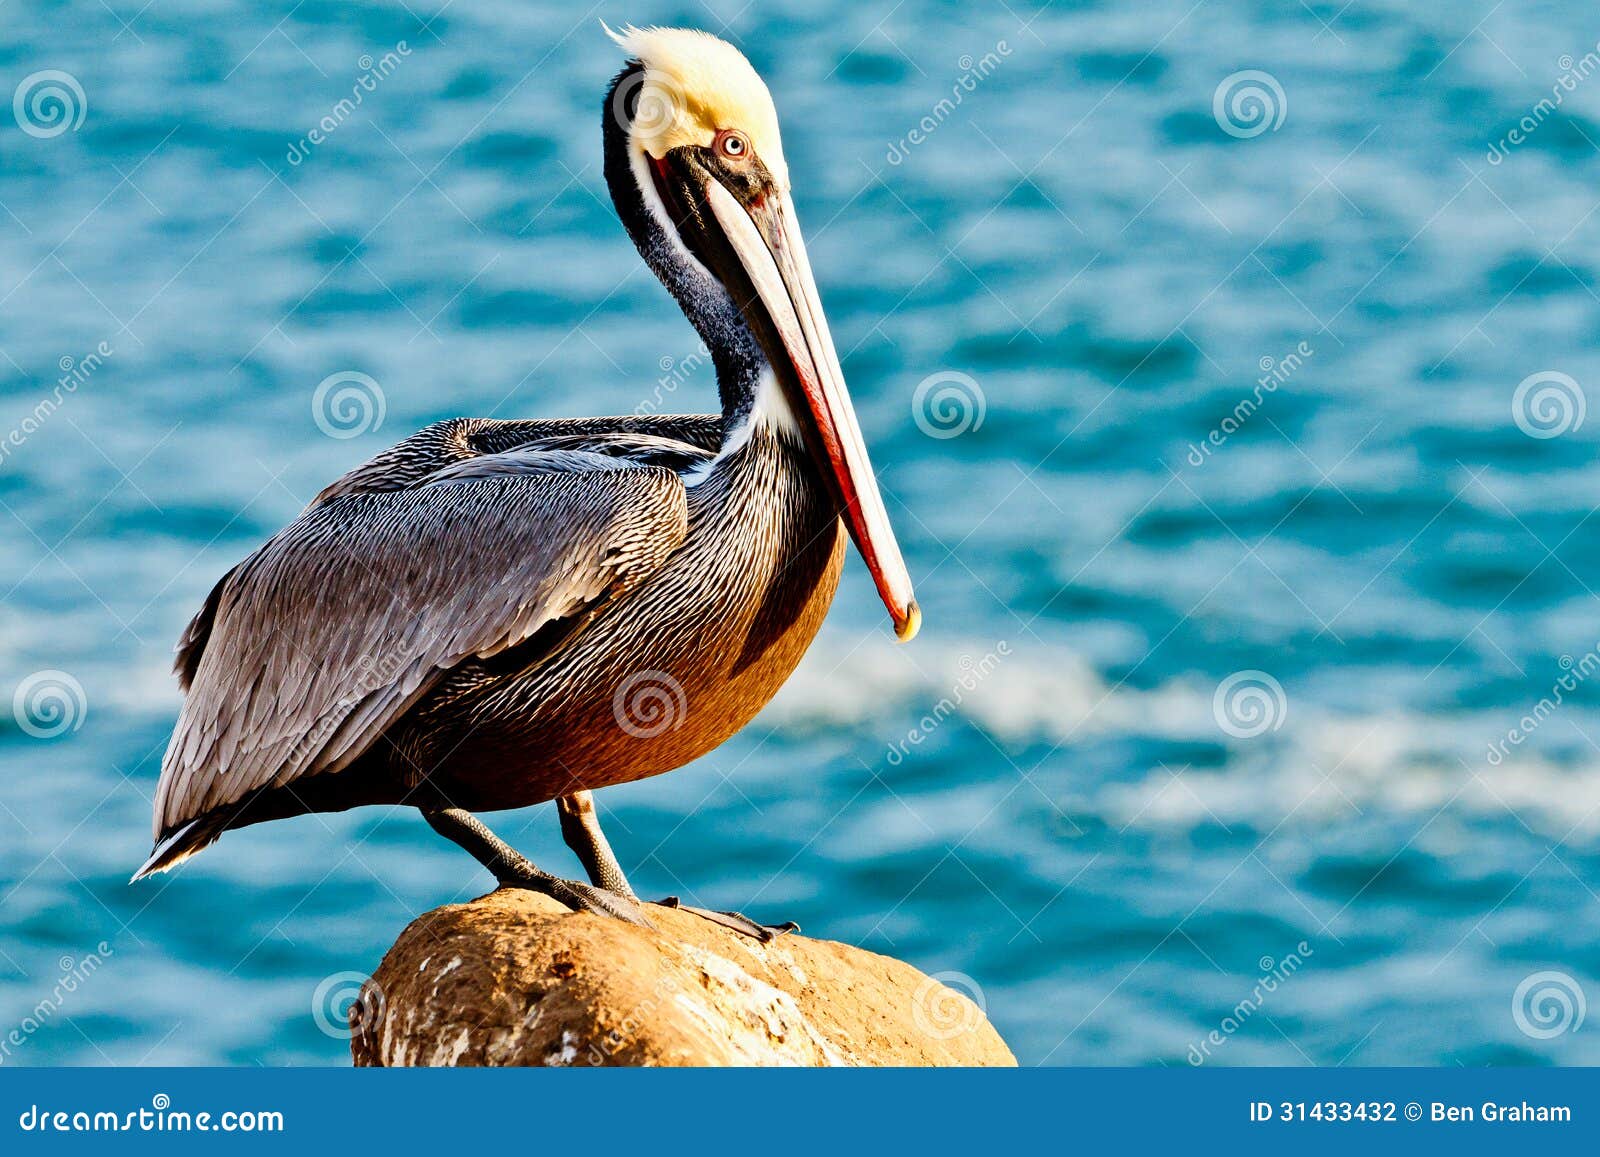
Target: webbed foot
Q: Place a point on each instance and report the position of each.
(737, 921)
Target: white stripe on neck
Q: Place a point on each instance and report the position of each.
(769, 410)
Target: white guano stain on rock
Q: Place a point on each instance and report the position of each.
(451, 1055)
(566, 1055)
(761, 1023)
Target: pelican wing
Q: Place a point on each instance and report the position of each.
(457, 439)
(672, 440)
(324, 637)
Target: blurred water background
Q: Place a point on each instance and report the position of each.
(1226, 694)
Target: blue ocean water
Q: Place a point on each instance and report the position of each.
(1236, 446)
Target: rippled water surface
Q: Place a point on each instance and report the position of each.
(1204, 694)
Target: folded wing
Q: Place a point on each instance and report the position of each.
(325, 636)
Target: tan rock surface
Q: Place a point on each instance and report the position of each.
(514, 978)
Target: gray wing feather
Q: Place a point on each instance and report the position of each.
(455, 440)
(458, 439)
(331, 631)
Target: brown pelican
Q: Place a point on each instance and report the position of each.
(497, 613)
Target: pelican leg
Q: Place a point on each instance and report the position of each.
(580, 827)
(512, 869)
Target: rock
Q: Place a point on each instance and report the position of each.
(514, 978)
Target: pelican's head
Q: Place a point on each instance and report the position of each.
(703, 150)
(698, 91)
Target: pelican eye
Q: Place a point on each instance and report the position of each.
(732, 145)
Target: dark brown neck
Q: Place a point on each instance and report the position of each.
(738, 358)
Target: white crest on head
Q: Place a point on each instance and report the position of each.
(694, 86)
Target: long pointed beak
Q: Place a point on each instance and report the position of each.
(765, 238)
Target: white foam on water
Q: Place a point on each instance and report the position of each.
(1320, 765)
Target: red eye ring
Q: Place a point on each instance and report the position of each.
(732, 144)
